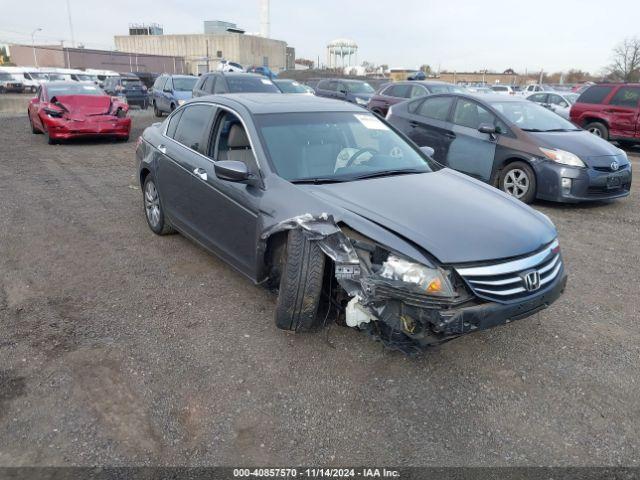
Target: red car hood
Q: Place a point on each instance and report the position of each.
(83, 105)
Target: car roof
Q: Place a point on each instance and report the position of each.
(234, 74)
(258, 103)
(179, 76)
(422, 82)
(346, 80)
(65, 83)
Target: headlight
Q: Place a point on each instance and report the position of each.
(361, 101)
(181, 102)
(431, 280)
(560, 156)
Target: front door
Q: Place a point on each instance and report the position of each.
(471, 151)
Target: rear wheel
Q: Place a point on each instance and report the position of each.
(300, 284)
(598, 129)
(519, 181)
(156, 111)
(153, 208)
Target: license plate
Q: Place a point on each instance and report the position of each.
(613, 181)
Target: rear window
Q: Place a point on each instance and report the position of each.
(131, 82)
(595, 94)
(626, 97)
(251, 84)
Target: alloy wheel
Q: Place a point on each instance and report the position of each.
(595, 131)
(152, 204)
(516, 183)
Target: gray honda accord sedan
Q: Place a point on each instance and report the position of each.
(348, 220)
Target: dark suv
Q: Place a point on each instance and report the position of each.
(221, 82)
(397, 92)
(128, 86)
(610, 111)
(354, 91)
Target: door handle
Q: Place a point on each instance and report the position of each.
(413, 124)
(201, 172)
(162, 148)
(450, 135)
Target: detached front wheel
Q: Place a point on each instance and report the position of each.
(519, 181)
(300, 284)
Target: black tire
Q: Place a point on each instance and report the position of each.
(50, 141)
(33, 89)
(156, 111)
(145, 105)
(598, 129)
(515, 171)
(173, 107)
(300, 284)
(161, 226)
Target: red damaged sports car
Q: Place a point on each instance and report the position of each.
(64, 110)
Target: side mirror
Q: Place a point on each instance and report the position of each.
(231, 170)
(487, 128)
(166, 90)
(342, 92)
(428, 151)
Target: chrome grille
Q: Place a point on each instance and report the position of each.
(504, 282)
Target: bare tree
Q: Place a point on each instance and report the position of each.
(626, 60)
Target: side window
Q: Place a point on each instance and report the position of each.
(192, 125)
(173, 123)
(157, 85)
(331, 86)
(400, 91)
(626, 97)
(231, 141)
(557, 100)
(436, 108)
(208, 84)
(169, 84)
(219, 85)
(538, 97)
(472, 115)
(417, 91)
(595, 94)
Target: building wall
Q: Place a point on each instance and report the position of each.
(54, 56)
(245, 49)
(473, 77)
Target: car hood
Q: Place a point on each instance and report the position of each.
(453, 217)
(594, 151)
(85, 104)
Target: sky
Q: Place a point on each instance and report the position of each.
(462, 35)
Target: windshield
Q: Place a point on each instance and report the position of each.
(290, 87)
(359, 87)
(74, 89)
(131, 82)
(250, 84)
(85, 78)
(181, 84)
(532, 117)
(336, 146)
(435, 88)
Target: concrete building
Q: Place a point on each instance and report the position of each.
(507, 78)
(202, 52)
(83, 58)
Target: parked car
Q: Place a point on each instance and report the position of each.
(9, 84)
(84, 77)
(325, 202)
(129, 87)
(65, 110)
(171, 91)
(396, 92)
(536, 87)
(506, 89)
(264, 71)
(227, 66)
(479, 89)
(219, 82)
(287, 85)
(353, 91)
(557, 102)
(610, 111)
(517, 145)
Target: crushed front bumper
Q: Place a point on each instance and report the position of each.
(62, 129)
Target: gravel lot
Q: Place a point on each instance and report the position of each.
(119, 347)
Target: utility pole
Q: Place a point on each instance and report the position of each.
(33, 45)
(73, 40)
(208, 70)
(541, 76)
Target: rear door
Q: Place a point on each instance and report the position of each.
(183, 147)
(623, 111)
(471, 151)
(429, 125)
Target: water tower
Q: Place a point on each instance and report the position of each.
(342, 53)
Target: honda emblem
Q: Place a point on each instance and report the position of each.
(531, 280)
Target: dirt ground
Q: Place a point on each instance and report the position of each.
(118, 347)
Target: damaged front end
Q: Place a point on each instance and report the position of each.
(404, 304)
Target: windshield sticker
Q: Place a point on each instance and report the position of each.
(371, 122)
(265, 81)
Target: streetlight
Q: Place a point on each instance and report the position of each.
(33, 45)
